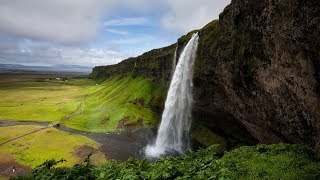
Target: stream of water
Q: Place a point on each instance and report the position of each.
(117, 145)
(173, 132)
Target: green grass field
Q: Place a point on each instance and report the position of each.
(39, 100)
(50, 143)
(82, 104)
(116, 99)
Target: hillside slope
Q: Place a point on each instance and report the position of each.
(119, 104)
(257, 73)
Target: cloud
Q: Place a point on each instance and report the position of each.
(30, 52)
(62, 21)
(139, 39)
(64, 31)
(141, 6)
(72, 22)
(91, 56)
(183, 16)
(65, 21)
(116, 31)
(126, 21)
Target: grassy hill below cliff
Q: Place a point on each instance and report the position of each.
(119, 103)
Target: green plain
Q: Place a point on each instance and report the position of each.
(40, 100)
(83, 104)
(49, 143)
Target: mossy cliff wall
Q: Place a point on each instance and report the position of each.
(260, 65)
(257, 72)
(155, 65)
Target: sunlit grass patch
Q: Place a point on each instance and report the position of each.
(116, 99)
(49, 143)
(43, 101)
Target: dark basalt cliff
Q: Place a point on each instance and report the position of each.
(261, 66)
(155, 64)
(257, 72)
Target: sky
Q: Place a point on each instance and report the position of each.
(95, 32)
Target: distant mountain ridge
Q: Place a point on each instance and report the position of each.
(53, 68)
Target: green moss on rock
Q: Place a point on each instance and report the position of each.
(204, 136)
(155, 65)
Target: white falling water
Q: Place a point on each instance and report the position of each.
(174, 60)
(175, 124)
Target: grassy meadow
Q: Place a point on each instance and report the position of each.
(50, 143)
(118, 99)
(82, 104)
(35, 99)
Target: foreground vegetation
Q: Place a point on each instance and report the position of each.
(280, 161)
(48, 143)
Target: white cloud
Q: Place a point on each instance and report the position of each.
(42, 53)
(116, 31)
(126, 21)
(60, 31)
(142, 6)
(69, 21)
(186, 16)
(63, 21)
(133, 40)
(91, 56)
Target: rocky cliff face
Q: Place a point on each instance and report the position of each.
(257, 73)
(155, 64)
(260, 65)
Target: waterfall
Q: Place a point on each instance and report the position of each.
(173, 132)
(174, 60)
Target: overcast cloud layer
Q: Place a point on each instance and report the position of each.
(95, 32)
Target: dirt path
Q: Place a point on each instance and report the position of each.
(78, 111)
(15, 138)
